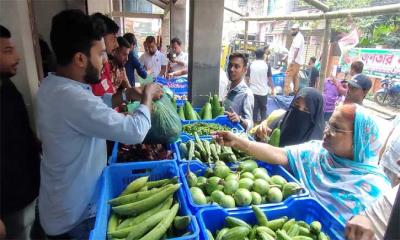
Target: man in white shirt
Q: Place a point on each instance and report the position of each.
(260, 84)
(153, 60)
(295, 59)
(178, 61)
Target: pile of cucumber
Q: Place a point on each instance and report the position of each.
(209, 151)
(147, 210)
(248, 185)
(280, 229)
(211, 109)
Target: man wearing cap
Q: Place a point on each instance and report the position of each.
(295, 59)
(359, 86)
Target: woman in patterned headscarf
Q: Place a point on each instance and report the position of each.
(341, 170)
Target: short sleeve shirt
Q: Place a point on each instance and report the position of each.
(182, 57)
(298, 42)
(154, 62)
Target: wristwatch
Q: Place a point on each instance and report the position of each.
(123, 95)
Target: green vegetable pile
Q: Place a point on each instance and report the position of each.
(211, 109)
(248, 185)
(280, 229)
(203, 128)
(210, 152)
(147, 210)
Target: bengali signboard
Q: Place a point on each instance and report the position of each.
(377, 62)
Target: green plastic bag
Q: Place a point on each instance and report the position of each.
(165, 122)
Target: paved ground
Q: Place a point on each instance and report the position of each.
(385, 112)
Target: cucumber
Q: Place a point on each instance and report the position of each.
(138, 228)
(282, 235)
(232, 222)
(190, 150)
(183, 150)
(162, 182)
(181, 113)
(288, 224)
(215, 106)
(112, 223)
(207, 111)
(315, 227)
(305, 238)
(275, 137)
(163, 226)
(135, 185)
(189, 112)
(140, 218)
(136, 208)
(294, 230)
(214, 153)
(261, 217)
(267, 230)
(148, 224)
(221, 233)
(209, 235)
(133, 197)
(236, 233)
(276, 223)
(182, 222)
(322, 236)
(262, 235)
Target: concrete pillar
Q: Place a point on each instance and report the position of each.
(178, 21)
(205, 36)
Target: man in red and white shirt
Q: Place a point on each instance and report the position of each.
(110, 40)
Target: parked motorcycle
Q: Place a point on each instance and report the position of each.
(389, 94)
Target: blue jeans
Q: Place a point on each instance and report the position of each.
(81, 231)
(327, 116)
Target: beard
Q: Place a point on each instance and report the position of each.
(294, 34)
(6, 75)
(91, 74)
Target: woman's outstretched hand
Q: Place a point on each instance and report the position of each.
(225, 138)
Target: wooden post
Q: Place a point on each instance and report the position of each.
(324, 54)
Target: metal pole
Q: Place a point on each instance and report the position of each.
(246, 36)
(324, 54)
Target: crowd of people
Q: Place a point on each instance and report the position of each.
(328, 141)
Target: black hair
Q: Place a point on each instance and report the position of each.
(4, 32)
(239, 55)
(313, 59)
(357, 66)
(111, 26)
(122, 42)
(150, 39)
(73, 31)
(259, 53)
(130, 37)
(176, 40)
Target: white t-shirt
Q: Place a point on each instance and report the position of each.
(392, 152)
(298, 42)
(259, 77)
(182, 57)
(154, 62)
(379, 212)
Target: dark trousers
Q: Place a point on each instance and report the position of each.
(260, 107)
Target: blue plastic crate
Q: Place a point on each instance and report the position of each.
(199, 169)
(222, 120)
(117, 177)
(302, 209)
(278, 79)
(114, 156)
